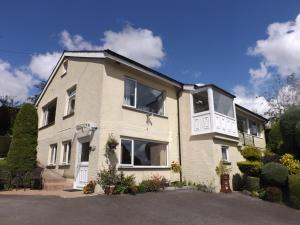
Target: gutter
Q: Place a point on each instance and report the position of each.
(179, 136)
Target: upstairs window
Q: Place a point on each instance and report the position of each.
(71, 100)
(143, 153)
(66, 153)
(200, 102)
(242, 124)
(223, 104)
(143, 97)
(49, 113)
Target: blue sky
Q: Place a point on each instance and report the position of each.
(202, 41)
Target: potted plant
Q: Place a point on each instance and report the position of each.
(107, 179)
(223, 170)
(112, 142)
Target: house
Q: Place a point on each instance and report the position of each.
(91, 95)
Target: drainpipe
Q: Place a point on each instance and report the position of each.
(179, 138)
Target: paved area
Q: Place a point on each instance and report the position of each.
(174, 208)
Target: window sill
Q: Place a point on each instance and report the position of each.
(124, 167)
(51, 166)
(63, 166)
(226, 163)
(46, 126)
(68, 116)
(142, 111)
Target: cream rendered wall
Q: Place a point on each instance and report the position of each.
(202, 153)
(124, 122)
(87, 74)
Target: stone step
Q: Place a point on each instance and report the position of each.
(57, 186)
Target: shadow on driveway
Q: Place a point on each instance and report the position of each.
(174, 208)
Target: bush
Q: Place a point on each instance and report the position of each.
(270, 157)
(22, 152)
(291, 163)
(250, 168)
(238, 182)
(294, 190)
(251, 153)
(272, 194)
(89, 188)
(4, 175)
(275, 139)
(125, 184)
(274, 174)
(154, 184)
(252, 183)
(289, 132)
(4, 145)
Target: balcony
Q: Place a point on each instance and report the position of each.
(251, 140)
(213, 111)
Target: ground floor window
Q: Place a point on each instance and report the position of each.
(143, 153)
(225, 154)
(52, 154)
(66, 152)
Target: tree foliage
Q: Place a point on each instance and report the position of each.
(274, 137)
(22, 151)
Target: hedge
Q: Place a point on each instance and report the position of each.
(294, 190)
(250, 168)
(4, 145)
(252, 183)
(251, 153)
(273, 194)
(274, 174)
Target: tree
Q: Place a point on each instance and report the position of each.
(39, 88)
(289, 125)
(274, 138)
(22, 152)
(9, 108)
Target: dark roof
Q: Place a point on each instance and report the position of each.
(251, 112)
(216, 87)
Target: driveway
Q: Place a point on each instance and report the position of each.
(174, 208)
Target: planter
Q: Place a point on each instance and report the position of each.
(112, 146)
(109, 189)
(225, 184)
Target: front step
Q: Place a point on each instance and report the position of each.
(55, 182)
(57, 186)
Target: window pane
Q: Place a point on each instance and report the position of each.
(85, 152)
(126, 151)
(253, 128)
(65, 153)
(69, 153)
(53, 149)
(129, 92)
(223, 104)
(149, 99)
(242, 124)
(150, 154)
(224, 153)
(71, 106)
(200, 102)
(51, 113)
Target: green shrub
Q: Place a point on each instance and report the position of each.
(3, 174)
(273, 194)
(238, 182)
(291, 163)
(125, 184)
(4, 145)
(274, 174)
(154, 184)
(22, 152)
(275, 139)
(250, 168)
(251, 153)
(252, 183)
(289, 131)
(294, 190)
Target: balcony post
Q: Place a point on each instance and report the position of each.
(211, 107)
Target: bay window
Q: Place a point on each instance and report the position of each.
(143, 153)
(223, 104)
(143, 97)
(200, 102)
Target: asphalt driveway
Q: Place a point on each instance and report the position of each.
(174, 208)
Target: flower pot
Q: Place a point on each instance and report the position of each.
(112, 146)
(225, 183)
(109, 189)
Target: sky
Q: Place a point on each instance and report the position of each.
(235, 44)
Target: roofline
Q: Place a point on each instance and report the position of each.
(113, 56)
(251, 112)
(215, 87)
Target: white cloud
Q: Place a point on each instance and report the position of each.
(135, 43)
(249, 100)
(280, 50)
(42, 65)
(14, 82)
(260, 75)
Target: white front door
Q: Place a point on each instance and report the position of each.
(83, 164)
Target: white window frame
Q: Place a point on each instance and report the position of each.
(69, 98)
(132, 153)
(45, 110)
(227, 153)
(69, 147)
(135, 97)
(51, 158)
